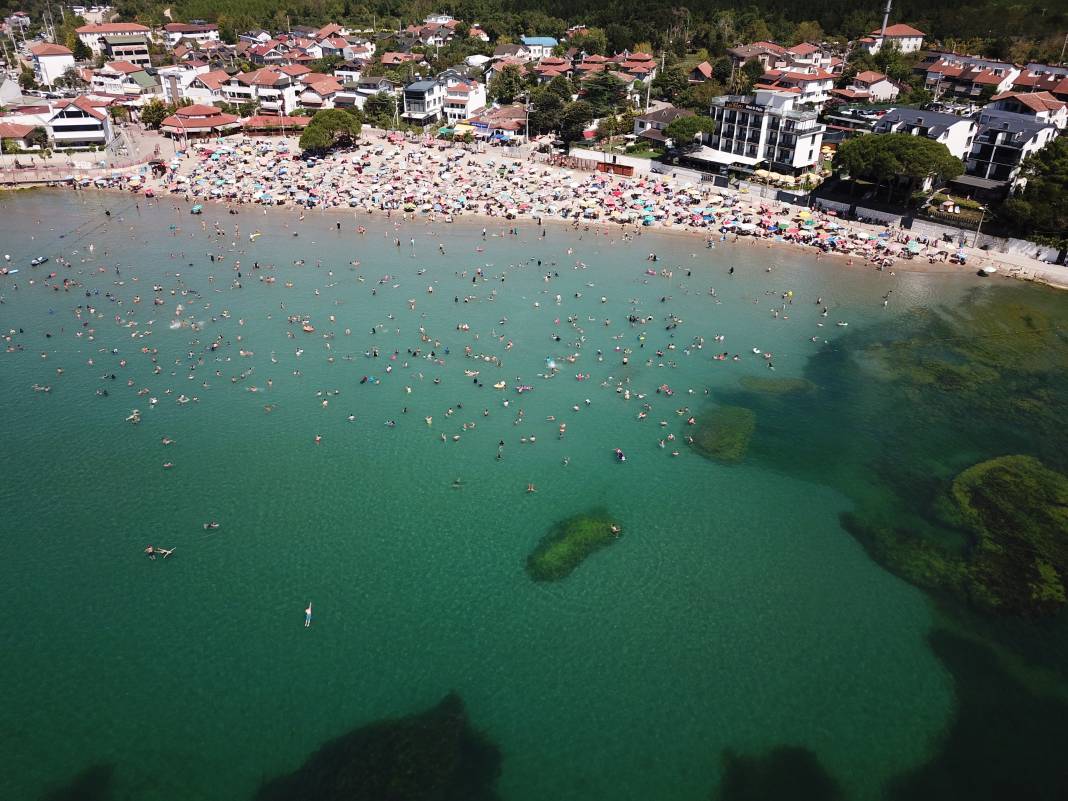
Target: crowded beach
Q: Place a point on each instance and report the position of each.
(420, 177)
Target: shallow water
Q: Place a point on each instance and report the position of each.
(735, 612)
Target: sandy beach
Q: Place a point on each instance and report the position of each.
(426, 179)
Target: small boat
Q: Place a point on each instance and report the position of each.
(841, 324)
(214, 524)
(620, 456)
(197, 209)
(38, 260)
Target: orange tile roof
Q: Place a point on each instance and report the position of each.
(49, 49)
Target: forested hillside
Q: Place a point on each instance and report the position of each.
(711, 24)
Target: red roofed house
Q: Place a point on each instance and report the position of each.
(1043, 78)
(92, 35)
(124, 78)
(967, 75)
(393, 59)
(906, 38)
(266, 125)
(869, 87)
(476, 32)
(319, 90)
(637, 66)
(463, 100)
(701, 73)
(16, 132)
(80, 123)
(770, 55)
(50, 61)
(812, 86)
(274, 91)
(190, 122)
(1039, 106)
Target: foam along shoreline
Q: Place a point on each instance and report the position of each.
(422, 179)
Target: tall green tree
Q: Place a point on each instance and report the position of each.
(670, 84)
(683, 132)
(575, 119)
(329, 127)
(592, 42)
(1041, 209)
(380, 110)
(507, 85)
(547, 111)
(154, 112)
(605, 93)
(897, 160)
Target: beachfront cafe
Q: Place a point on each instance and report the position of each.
(199, 122)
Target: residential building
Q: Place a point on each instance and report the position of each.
(319, 91)
(371, 85)
(349, 72)
(19, 21)
(191, 122)
(503, 124)
(701, 73)
(16, 132)
(539, 46)
(476, 32)
(392, 58)
(1003, 141)
(123, 78)
(904, 37)
(809, 55)
(463, 100)
(95, 14)
(651, 125)
(207, 88)
(966, 76)
(201, 32)
(767, 126)
(133, 49)
(271, 89)
(93, 35)
(512, 51)
(636, 66)
(869, 87)
(1043, 78)
(424, 101)
(175, 81)
(1038, 106)
(812, 85)
(770, 55)
(79, 123)
(50, 61)
(956, 133)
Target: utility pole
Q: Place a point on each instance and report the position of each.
(1064, 46)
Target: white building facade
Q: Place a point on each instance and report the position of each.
(766, 126)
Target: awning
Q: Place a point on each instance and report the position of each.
(721, 157)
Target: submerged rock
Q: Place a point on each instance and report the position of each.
(724, 433)
(432, 756)
(568, 543)
(776, 386)
(786, 772)
(95, 783)
(1014, 511)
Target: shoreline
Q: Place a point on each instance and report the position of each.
(670, 205)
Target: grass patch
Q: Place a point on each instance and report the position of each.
(568, 543)
(724, 433)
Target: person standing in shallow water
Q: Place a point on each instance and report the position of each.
(308, 615)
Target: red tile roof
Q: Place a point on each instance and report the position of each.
(1036, 101)
(869, 76)
(265, 122)
(899, 30)
(112, 27)
(125, 67)
(49, 49)
(14, 130)
(803, 49)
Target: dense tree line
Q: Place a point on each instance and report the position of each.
(1016, 29)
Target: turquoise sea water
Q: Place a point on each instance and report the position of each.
(735, 612)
